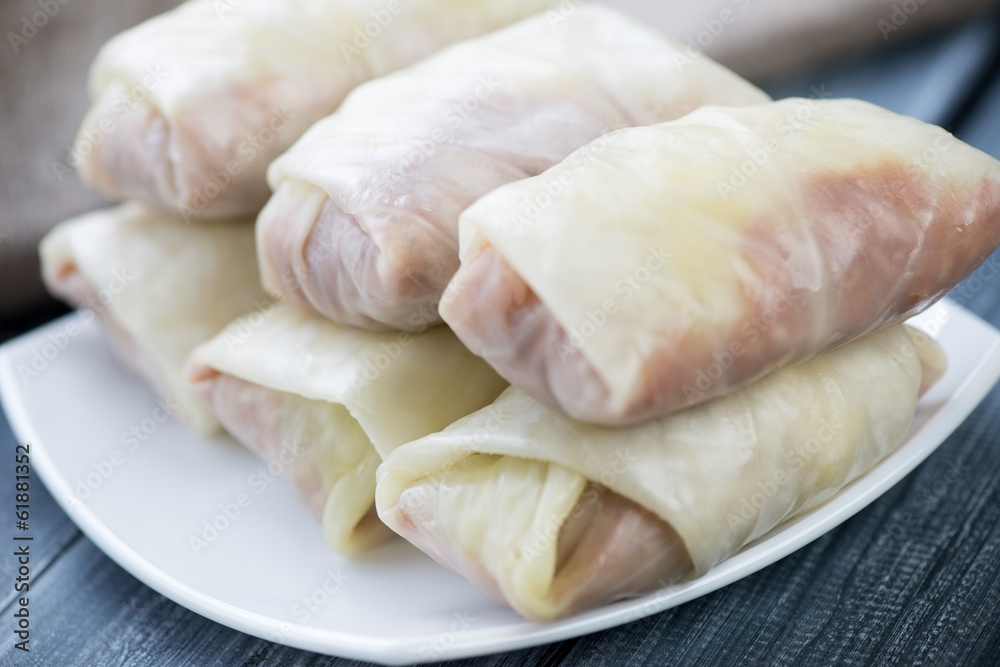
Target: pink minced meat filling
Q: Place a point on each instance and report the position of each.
(342, 273)
(254, 416)
(610, 548)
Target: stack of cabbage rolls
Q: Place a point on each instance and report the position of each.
(189, 109)
(333, 390)
(576, 312)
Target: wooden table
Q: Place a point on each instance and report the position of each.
(913, 579)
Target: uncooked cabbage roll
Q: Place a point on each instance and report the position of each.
(363, 226)
(329, 402)
(159, 286)
(190, 107)
(551, 516)
(685, 260)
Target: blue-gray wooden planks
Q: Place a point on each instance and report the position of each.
(981, 127)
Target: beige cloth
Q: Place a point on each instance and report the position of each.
(43, 86)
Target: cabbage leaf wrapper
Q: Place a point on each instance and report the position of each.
(327, 403)
(688, 259)
(161, 287)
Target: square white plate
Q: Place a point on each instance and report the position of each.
(142, 497)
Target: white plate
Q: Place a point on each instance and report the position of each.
(395, 606)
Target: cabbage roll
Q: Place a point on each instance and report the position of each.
(190, 107)
(363, 226)
(159, 286)
(551, 516)
(691, 258)
(330, 402)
